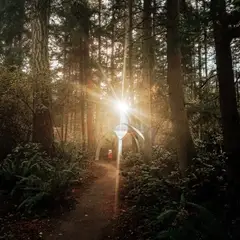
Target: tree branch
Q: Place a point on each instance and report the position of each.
(206, 81)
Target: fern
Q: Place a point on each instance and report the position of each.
(203, 212)
(31, 201)
(187, 226)
(171, 234)
(167, 215)
(33, 176)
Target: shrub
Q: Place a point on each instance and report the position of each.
(15, 110)
(35, 179)
(71, 151)
(188, 221)
(153, 190)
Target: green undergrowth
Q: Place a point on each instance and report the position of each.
(157, 203)
(34, 181)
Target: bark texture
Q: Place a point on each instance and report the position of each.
(227, 94)
(184, 142)
(148, 56)
(42, 122)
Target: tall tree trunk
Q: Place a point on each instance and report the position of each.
(112, 44)
(66, 130)
(237, 88)
(82, 84)
(227, 94)
(130, 93)
(184, 142)
(88, 79)
(148, 56)
(130, 47)
(98, 118)
(65, 70)
(205, 46)
(199, 53)
(125, 79)
(42, 122)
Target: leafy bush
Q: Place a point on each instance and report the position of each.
(15, 110)
(153, 190)
(35, 179)
(188, 220)
(71, 151)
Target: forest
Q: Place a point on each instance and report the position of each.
(75, 75)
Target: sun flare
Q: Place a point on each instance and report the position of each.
(122, 106)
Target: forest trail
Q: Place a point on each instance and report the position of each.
(94, 210)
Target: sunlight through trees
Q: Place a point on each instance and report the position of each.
(69, 68)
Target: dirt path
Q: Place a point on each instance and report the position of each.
(94, 210)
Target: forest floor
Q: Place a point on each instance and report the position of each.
(94, 210)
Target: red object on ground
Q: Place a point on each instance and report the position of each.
(109, 154)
